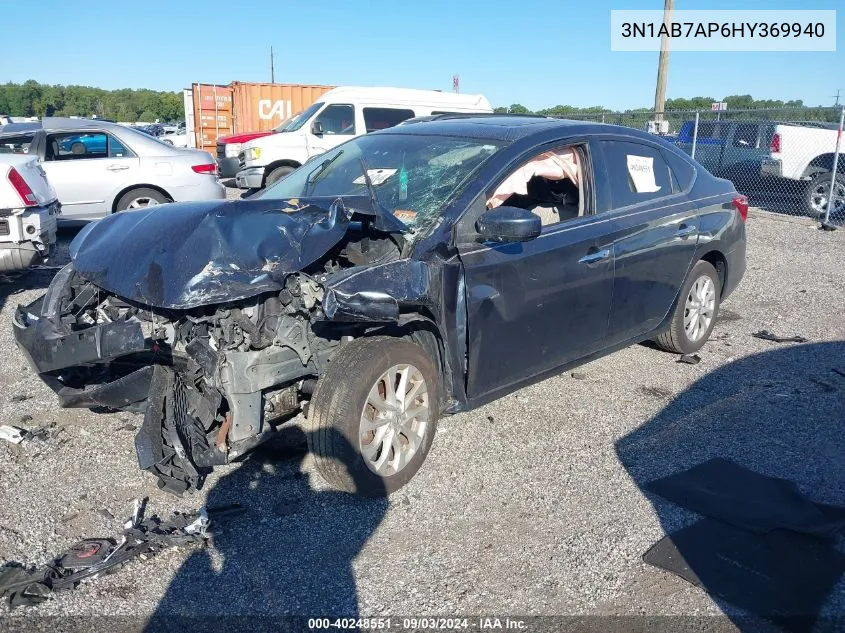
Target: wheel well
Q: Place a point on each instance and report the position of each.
(822, 163)
(279, 163)
(718, 262)
(126, 190)
(422, 331)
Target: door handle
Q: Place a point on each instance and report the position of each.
(594, 257)
(117, 167)
(686, 230)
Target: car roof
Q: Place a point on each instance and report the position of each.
(11, 128)
(505, 127)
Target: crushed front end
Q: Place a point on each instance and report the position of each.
(211, 382)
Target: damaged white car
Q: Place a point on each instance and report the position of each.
(28, 213)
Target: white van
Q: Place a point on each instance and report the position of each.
(339, 115)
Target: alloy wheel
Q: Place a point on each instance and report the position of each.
(394, 420)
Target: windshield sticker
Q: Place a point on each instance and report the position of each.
(405, 215)
(377, 176)
(641, 171)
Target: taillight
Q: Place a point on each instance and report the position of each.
(27, 196)
(741, 204)
(210, 168)
(774, 146)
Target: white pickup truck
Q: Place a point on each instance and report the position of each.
(28, 213)
(805, 153)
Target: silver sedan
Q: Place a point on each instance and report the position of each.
(98, 168)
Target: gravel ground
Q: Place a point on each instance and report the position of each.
(530, 505)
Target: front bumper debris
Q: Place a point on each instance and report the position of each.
(251, 178)
(49, 345)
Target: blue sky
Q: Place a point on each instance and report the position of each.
(538, 53)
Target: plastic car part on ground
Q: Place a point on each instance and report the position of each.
(766, 335)
(87, 559)
(12, 434)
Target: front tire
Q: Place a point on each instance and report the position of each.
(696, 311)
(277, 174)
(373, 415)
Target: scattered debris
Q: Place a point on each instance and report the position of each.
(127, 427)
(657, 392)
(577, 375)
(766, 335)
(690, 359)
(69, 517)
(24, 419)
(19, 397)
(490, 417)
(29, 586)
(12, 434)
(727, 315)
(105, 514)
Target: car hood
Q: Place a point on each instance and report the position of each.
(243, 137)
(191, 254)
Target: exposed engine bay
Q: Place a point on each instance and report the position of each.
(214, 380)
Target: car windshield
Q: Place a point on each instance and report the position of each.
(298, 120)
(284, 124)
(412, 176)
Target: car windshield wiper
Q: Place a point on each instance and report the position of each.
(318, 171)
(370, 188)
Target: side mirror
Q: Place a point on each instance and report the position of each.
(509, 224)
(317, 128)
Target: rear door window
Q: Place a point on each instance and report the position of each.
(637, 173)
(683, 173)
(747, 135)
(76, 146)
(16, 144)
(118, 149)
(382, 118)
(710, 132)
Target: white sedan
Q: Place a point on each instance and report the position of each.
(98, 168)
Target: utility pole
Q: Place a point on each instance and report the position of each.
(272, 68)
(836, 105)
(663, 64)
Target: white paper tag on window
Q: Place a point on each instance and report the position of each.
(641, 170)
(377, 176)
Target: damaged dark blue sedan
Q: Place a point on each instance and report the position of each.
(419, 271)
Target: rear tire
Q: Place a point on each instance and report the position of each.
(817, 194)
(694, 308)
(140, 198)
(277, 174)
(374, 449)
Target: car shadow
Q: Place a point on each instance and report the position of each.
(779, 413)
(290, 553)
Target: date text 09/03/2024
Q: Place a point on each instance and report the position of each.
(415, 624)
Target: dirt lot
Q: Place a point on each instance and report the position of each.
(532, 504)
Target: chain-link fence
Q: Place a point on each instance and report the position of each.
(781, 158)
